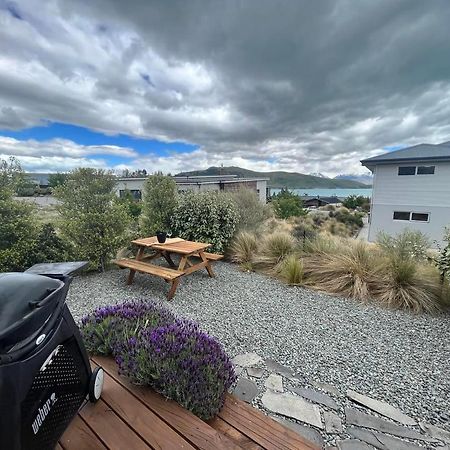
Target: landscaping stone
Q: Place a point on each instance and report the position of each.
(381, 407)
(273, 366)
(316, 397)
(333, 423)
(327, 387)
(246, 390)
(292, 406)
(274, 383)
(247, 360)
(355, 417)
(380, 440)
(353, 444)
(308, 433)
(435, 432)
(255, 373)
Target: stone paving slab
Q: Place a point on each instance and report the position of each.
(273, 366)
(353, 444)
(254, 372)
(292, 406)
(274, 383)
(435, 432)
(381, 407)
(247, 360)
(316, 397)
(308, 433)
(246, 390)
(328, 388)
(333, 423)
(380, 440)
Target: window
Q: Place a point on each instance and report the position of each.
(135, 193)
(420, 217)
(407, 170)
(425, 170)
(402, 215)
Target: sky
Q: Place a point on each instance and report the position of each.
(307, 86)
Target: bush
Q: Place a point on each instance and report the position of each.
(132, 206)
(106, 329)
(287, 204)
(291, 270)
(154, 348)
(158, 203)
(92, 220)
(181, 362)
(405, 245)
(274, 248)
(49, 247)
(304, 229)
(206, 217)
(443, 259)
(252, 213)
(244, 248)
(356, 201)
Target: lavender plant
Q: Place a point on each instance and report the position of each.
(106, 329)
(181, 362)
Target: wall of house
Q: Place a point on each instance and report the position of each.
(416, 193)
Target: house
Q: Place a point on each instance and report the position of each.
(411, 189)
(315, 202)
(225, 183)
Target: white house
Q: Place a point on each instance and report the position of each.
(411, 188)
(225, 183)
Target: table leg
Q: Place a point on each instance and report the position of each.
(167, 257)
(208, 266)
(139, 256)
(176, 282)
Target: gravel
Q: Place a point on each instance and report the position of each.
(394, 356)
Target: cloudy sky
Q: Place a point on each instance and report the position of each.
(309, 86)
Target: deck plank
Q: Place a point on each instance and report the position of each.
(265, 431)
(199, 433)
(110, 428)
(80, 436)
(143, 421)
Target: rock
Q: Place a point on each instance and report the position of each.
(292, 406)
(356, 417)
(316, 397)
(246, 390)
(333, 423)
(255, 373)
(274, 383)
(380, 440)
(238, 370)
(435, 432)
(352, 444)
(273, 366)
(247, 360)
(308, 433)
(327, 387)
(381, 407)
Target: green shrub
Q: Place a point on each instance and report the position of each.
(159, 200)
(406, 244)
(57, 179)
(244, 248)
(206, 217)
(291, 270)
(443, 259)
(356, 201)
(287, 204)
(252, 213)
(131, 205)
(92, 220)
(49, 247)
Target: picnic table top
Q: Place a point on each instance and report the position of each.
(133, 417)
(172, 245)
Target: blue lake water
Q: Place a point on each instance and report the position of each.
(328, 192)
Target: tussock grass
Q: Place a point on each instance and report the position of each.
(274, 248)
(244, 248)
(291, 270)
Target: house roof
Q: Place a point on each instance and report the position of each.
(420, 152)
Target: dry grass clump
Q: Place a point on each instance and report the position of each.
(244, 248)
(274, 248)
(323, 243)
(349, 270)
(291, 270)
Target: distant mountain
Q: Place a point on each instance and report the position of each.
(365, 179)
(317, 174)
(291, 180)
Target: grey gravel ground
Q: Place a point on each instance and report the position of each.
(389, 355)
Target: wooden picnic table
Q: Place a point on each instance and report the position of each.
(185, 249)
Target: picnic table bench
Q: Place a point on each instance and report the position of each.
(185, 249)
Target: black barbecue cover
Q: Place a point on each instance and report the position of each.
(22, 296)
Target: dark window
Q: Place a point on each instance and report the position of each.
(401, 215)
(136, 193)
(407, 170)
(425, 170)
(420, 217)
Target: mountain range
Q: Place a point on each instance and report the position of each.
(279, 179)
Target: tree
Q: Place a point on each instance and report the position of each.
(17, 229)
(93, 221)
(57, 179)
(287, 204)
(158, 203)
(357, 201)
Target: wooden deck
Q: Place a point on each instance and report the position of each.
(128, 417)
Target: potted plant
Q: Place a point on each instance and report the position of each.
(161, 236)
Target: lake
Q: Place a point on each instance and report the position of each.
(328, 192)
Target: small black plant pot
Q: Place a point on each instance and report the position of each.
(161, 236)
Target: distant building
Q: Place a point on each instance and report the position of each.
(226, 183)
(39, 179)
(411, 189)
(315, 202)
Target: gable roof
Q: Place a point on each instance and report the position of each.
(416, 153)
